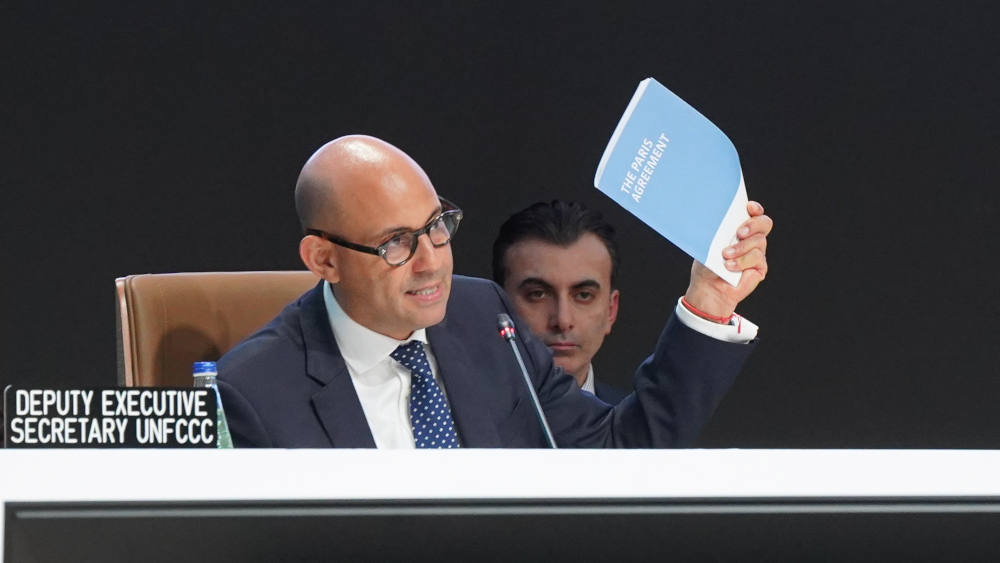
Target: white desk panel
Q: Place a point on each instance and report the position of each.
(235, 475)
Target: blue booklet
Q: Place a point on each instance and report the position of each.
(677, 172)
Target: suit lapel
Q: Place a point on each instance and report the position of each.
(466, 387)
(337, 405)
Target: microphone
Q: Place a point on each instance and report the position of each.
(506, 327)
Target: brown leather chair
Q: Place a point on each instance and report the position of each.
(166, 322)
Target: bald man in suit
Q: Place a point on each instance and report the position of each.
(336, 368)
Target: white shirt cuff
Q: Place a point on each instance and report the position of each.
(739, 330)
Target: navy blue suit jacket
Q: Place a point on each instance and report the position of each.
(610, 394)
(287, 385)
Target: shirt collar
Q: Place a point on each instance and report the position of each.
(361, 347)
(588, 384)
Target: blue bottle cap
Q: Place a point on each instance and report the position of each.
(205, 368)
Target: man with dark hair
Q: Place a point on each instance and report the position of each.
(558, 261)
(391, 350)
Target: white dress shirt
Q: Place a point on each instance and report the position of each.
(739, 330)
(588, 384)
(382, 383)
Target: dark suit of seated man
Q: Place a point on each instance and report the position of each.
(392, 350)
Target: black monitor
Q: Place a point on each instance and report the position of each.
(897, 529)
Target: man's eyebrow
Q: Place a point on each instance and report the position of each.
(393, 231)
(587, 284)
(534, 281)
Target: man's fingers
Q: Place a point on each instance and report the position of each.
(754, 258)
(746, 245)
(750, 279)
(754, 208)
(759, 224)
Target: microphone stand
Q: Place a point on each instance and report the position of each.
(506, 327)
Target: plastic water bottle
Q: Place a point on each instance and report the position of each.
(204, 376)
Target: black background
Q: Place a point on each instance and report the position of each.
(140, 138)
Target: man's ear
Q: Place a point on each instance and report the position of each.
(612, 310)
(317, 254)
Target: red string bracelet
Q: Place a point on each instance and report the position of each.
(704, 315)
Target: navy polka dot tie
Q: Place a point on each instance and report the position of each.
(430, 416)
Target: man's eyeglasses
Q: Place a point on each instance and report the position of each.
(399, 249)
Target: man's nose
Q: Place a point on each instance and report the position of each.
(562, 316)
(426, 257)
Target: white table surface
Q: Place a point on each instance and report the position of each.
(227, 475)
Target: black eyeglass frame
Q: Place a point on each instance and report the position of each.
(449, 209)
